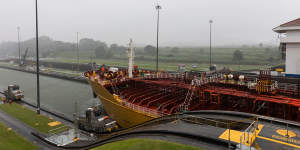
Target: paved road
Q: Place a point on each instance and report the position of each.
(23, 130)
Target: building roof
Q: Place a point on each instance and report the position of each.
(291, 25)
(295, 22)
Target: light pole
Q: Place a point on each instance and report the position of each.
(37, 57)
(77, 52)
(18, 28)
(157, 7)
(210, 23)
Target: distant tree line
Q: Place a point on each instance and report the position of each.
(47, 46)
(89, 47)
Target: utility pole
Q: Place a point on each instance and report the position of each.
(77, 53)
(19, 46)
(37, 58)
(157, 7)
(210, 23)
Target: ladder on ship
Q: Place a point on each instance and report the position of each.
(188, 99)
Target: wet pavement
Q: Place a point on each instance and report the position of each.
(265, 135)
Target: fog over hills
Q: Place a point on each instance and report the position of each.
(183, 23)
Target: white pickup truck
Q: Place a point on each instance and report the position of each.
(13, 92)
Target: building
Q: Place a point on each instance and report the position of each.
(290, 46)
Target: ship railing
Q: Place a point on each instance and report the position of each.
(144, 110)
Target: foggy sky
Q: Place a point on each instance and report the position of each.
(183, 22)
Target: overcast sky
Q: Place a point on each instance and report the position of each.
(183, 22)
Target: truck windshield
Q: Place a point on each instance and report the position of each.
(15, 88)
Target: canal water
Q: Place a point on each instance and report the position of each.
(56, 94)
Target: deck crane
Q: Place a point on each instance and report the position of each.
(23, 61)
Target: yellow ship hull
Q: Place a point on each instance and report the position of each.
(125, 116)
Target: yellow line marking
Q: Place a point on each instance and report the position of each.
(276, 141)
(237, 136)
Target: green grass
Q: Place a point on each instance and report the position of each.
(166, 66)
(10, 140)
(144, 144)
(254, 58)
(28, 116)
(220, 55)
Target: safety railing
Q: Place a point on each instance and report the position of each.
(59, 129)
(144, 110)
(62, 135)
(249, 135)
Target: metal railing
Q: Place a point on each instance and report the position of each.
(59, 129)
(62, 135)
(144, 110)
(249, 135)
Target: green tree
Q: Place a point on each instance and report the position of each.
(109, 54)
(149, 49)
(238, 56)
(114, 47)
(87, 44)
(175, 50)
(100, 52)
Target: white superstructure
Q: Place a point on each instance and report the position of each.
(131, 58)
(290, 46)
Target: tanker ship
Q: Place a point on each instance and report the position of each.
(133, 96)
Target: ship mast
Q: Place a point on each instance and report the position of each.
(131, 58)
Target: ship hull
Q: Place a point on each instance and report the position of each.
(124, 116)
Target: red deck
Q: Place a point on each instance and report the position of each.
(167, 95)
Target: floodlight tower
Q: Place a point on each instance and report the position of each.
(157, 7)
(19, 46)
(37, 57)
(210, 23)
(77, 51)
